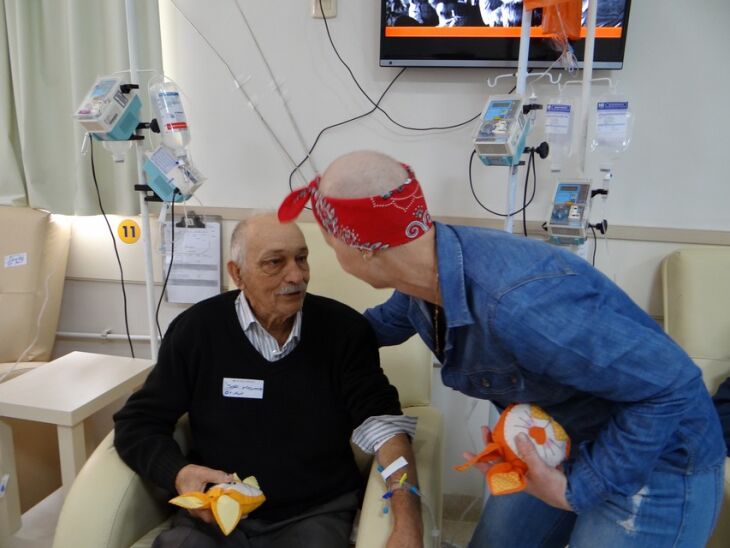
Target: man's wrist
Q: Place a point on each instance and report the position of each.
(398, 489)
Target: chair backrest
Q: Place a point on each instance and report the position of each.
(34, 251)
(696, 295)
(408, 365)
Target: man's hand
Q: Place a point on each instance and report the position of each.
(194, 478)
(544, 482)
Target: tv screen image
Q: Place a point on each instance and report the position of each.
(486, 33)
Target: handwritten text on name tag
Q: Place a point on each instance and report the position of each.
(243, 388)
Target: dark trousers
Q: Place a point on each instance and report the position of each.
(324, 526)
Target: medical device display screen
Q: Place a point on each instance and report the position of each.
(570, 203)
(102, 88)
(486, 33)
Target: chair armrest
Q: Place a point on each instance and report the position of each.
(374, 527)
(714, 372)
(721, 536)
(108, 505)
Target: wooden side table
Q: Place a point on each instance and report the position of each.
(64, 392)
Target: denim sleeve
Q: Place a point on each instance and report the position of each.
(722, 404)
(601, 343)
(390, 320)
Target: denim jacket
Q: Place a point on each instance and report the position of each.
(528, 322)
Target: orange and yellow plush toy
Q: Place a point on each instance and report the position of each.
(229, 502)
(508, 474)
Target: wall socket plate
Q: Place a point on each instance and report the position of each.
(328, 6)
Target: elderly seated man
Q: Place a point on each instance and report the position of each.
(314, 363)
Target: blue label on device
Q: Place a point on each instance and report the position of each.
(558, 108)
(614, 105)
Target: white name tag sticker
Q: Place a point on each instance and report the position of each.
(18, 259)
(243, 388)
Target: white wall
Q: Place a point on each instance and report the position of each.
(676, 62)
(674, 175)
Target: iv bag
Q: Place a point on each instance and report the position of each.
(167, 105)
(559, 115)
(613, 129)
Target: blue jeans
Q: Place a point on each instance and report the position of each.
(672, 510)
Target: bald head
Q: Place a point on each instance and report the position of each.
(261, 227)
(362, 173)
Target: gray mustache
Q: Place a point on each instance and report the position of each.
(292, 288)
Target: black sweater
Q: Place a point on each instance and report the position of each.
(295, 439)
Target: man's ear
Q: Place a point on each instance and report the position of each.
(367, 254)
(235, 273)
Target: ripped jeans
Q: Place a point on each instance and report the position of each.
(672, 510)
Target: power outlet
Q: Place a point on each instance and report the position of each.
(328, 6)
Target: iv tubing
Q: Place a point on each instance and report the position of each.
(278, 89)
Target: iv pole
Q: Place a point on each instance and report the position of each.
(519, 90)
(131, 14)
(587, 78)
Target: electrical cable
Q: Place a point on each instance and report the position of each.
(172, 256)
(376, 105)
(382, 95)
(530, 163)
(114, 242)
(595, 244)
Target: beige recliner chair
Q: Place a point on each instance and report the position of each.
(696, 291)
(34, 250)
(109, 506)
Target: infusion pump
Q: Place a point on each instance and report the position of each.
(500, 136)
(568, 222)
(111, 110)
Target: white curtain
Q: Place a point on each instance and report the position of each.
(51, 51)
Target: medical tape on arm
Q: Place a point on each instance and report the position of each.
(389, 470)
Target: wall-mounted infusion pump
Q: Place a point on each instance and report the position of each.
(568, 220)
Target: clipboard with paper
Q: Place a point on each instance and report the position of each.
(195, 249)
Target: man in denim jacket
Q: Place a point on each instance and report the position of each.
(516, 320)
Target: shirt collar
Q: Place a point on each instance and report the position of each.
(249, 320)
(452, 277)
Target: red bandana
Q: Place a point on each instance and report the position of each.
(375, 222)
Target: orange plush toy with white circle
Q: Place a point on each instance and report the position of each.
(508, 474)
(229, 502)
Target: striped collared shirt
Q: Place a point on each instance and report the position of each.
(373, 432)
(264, 343)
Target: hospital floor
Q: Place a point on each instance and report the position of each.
(460, 516)
(39, 523)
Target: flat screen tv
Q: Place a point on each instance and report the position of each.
(486, 33)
